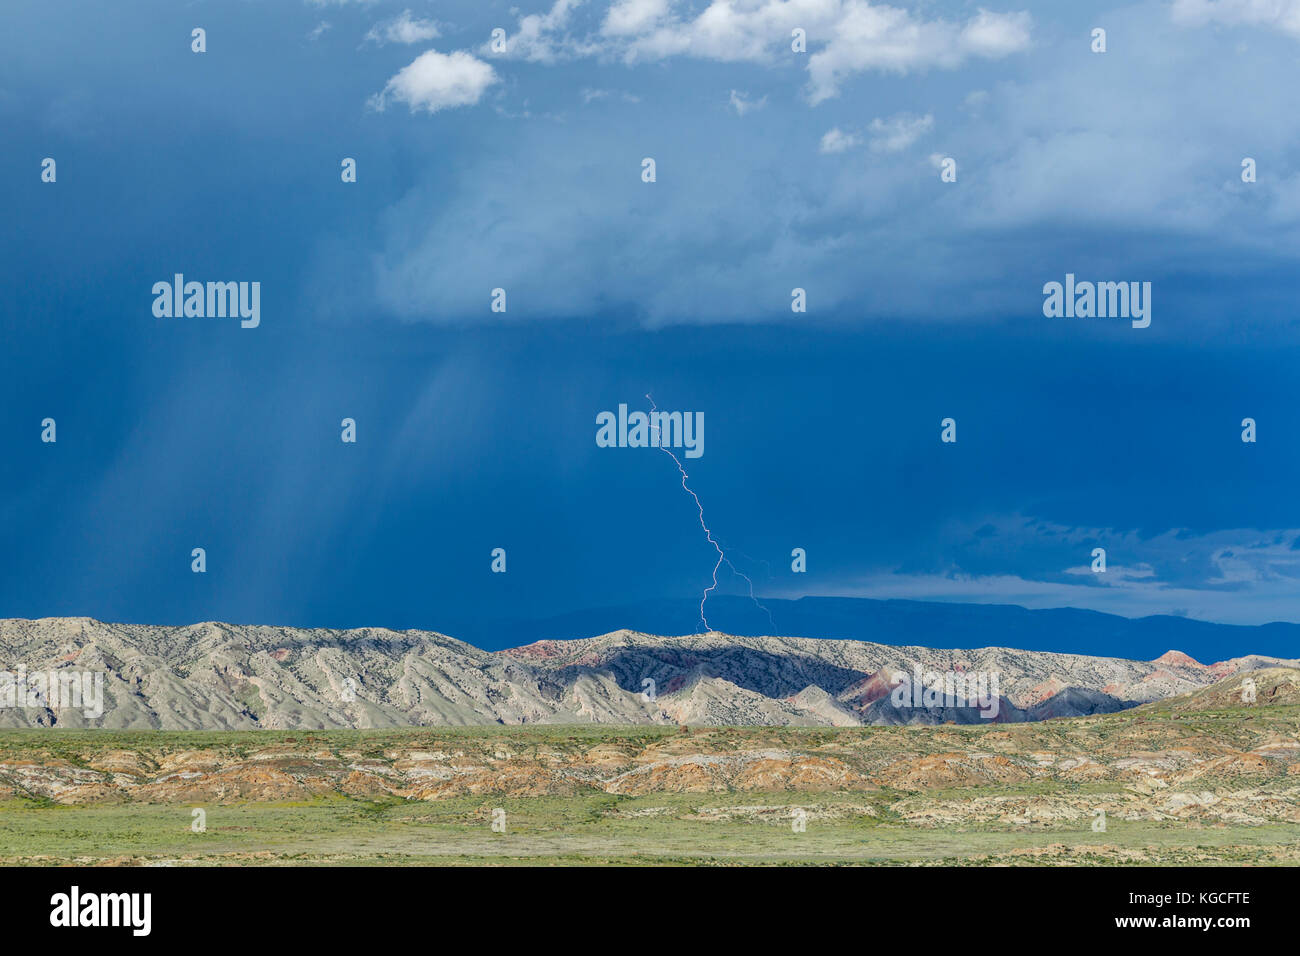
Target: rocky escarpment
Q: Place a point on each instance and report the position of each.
(214, 676)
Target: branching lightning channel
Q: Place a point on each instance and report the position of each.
(722, 556)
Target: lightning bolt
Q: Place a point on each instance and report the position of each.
(722, 557)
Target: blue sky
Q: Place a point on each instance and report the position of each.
(521, 169)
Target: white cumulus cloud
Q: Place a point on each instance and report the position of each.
(1283, 15)
(543, 37)
(436, 81)
(836, 140)
(403, 28)
(632, 17)
(844, 36)
(871, 37)
(899, 132)
(742, 104)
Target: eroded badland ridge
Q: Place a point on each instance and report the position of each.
(1198, 778)
(214, 676)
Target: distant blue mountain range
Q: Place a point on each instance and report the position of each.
(923, 623)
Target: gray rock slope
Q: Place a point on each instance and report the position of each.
(214, 676)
